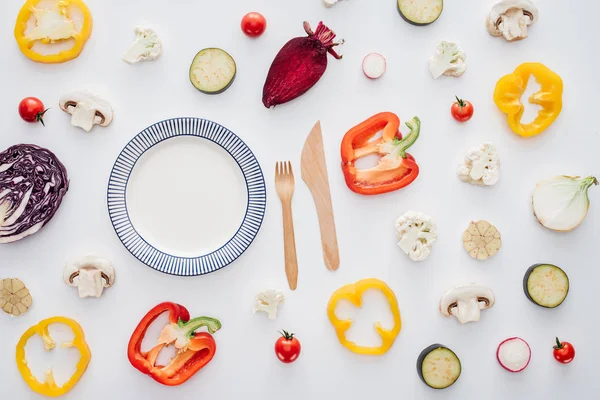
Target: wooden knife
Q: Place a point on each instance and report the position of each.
(314, 173)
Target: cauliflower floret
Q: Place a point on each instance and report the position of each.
(268, 301)
(147, 46)
(416, 233)
(448, 60)
(481, 166)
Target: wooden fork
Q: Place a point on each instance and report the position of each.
(284, 183)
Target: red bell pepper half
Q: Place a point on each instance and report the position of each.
(194, 349)
(396, 168)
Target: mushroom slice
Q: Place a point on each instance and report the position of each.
(510, 18)
(481, 240)
(466, 302)
(86, 109)
(90, 275)
(15, 298)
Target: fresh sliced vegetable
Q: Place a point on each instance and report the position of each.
(416, 234)
(31, 109)
(373, 65)
(90, 275)
(268, 301)
(353, 293)
(287, 348)
(32, 184)
(86, 109)
(514, 354)
(299, 65)
(448, 60)
(511, 87)
(481, 166)
(194, 349)
(546, 285)
(254, 24)
(49, 387)
(466, 302)
(212, 71)
(420, 12)
(49, 23)
(461, 110)
(562, 203)
(438, 366)
(564, 352)
(396, 168)
(146, 47)
(481, 240)
(15, 298)
(511, 18)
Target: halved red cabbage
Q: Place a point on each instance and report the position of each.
(32, 184)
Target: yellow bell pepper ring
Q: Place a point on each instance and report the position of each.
(49, 387)
(511, 87)
(52, 26)
(353, 293)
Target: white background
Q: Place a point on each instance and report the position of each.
(565, 39)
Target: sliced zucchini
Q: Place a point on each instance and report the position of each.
(438, 366)
(546, 285)
(212, 71)
(420, 12)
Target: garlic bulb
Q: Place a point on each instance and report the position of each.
(561, 203)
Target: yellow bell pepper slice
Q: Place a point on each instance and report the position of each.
(52, 25)
(511, 87)
(49, 387)
(353, 293)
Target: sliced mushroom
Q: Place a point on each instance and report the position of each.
(86, 109)
(510, 18)
(466, 302)
(90, 275)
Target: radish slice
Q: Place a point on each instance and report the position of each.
(514, 354)
(373, 65)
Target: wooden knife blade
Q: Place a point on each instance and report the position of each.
(314, 173)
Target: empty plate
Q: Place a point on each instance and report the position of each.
(186, 196)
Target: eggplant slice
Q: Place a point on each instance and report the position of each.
(546, 285)
(438, 366)
(420, 12)
(212, 71)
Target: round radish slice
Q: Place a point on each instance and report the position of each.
(514, 354)
(373, 65)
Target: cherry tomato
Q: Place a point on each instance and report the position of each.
(564, 352)
(31, 109)
(254, 24)
(287, 348)
(462, 110)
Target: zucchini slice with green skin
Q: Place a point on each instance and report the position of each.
(546, 285)
(438, 366)
(212, 71)
(420, 12)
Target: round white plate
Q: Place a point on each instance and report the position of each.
(186, 196)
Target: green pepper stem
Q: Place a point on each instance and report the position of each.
(410, 139)
(193, 325)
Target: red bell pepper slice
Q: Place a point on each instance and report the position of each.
(194, 349)
(396, 168)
